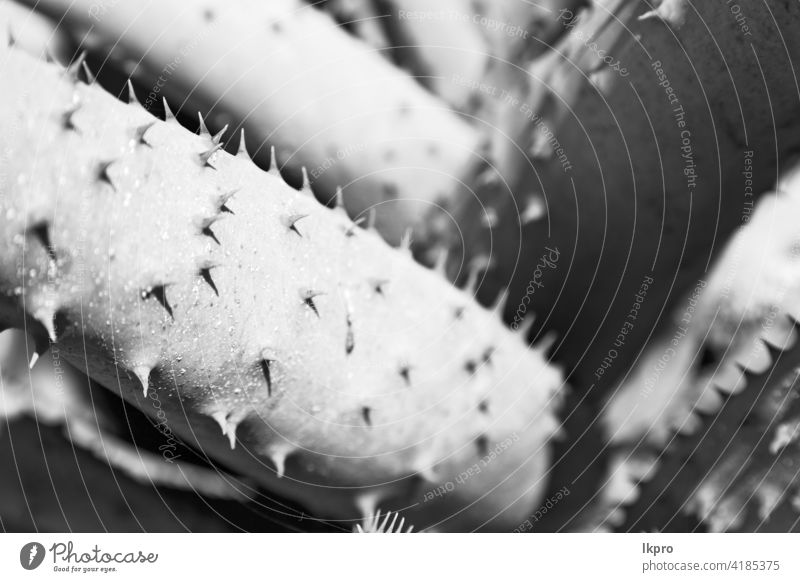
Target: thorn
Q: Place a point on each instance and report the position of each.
(205, 226)
(405, 241)
(277, 454)
(482, 443)
(306, 187)
(90, 78)
(169, 116)
(349, 340)
(405, 373)
(41, 343)
(547, 342)
(222, 201)
(227, 427)
(541, 150)
(217, 137)
(533, 211)
(366, 503)
(205, 157)
(290, 222)
(232, 435)
(308, 295)
(366, 414)
(47, 318)
(202, 130)
(499, 305)
(773, 350)
(488, 178)
(378, 285)
(477, 266)
(523, 328)
(242, 151)
(350, 230)
(489, 218)
(222, 420)
(132, 100)
(159, 293)
(371, 217)
(50, 325)
(267, 372)
(42, 233)
(339, 200)
(785, 434)
(273, 163)
(441, 262)
(649, 15)
(143, 373)
(103, 175)
(76, 66)
(426, 471)
(205, 273)
(140, 132)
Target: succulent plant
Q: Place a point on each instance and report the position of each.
(586, 162)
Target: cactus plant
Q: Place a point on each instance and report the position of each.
(290, 351)
(283, 341)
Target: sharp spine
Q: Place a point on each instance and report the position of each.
(290, 222)
(217, 137)
(169, 116)
(75, 67)
(308, 296)
(67, 119)
(132, 100)
(378, 285)
(103, 175)
(90, 78)
(405, 241)
(273, 163)
(305, 188)
(405, 373)
(140, 132)
(242, 151)
(143, 374)
(441, 262)
(205, 273)
(205, 157)
(202, 130)
(266, 370)
(159, 293)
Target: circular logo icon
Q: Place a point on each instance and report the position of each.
(31, 555)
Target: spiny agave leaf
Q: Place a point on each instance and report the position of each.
(725, 319)
(259, 352)
(740, 463)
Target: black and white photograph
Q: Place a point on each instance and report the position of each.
(275, 270)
